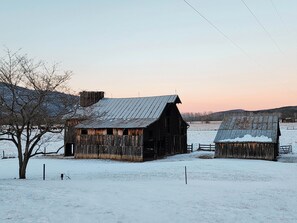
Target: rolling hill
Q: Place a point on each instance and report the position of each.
(287, 113)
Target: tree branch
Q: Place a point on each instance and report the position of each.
(46, 153)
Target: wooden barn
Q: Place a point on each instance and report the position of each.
(252, 136)
(132, 129)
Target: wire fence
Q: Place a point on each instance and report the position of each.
(285, 149)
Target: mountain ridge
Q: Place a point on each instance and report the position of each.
(285, 113)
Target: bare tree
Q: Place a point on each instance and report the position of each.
(31, 104)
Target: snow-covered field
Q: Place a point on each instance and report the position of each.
(218, 190)
(51, 142)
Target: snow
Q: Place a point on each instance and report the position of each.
(202, 133)
(51, 142)
(249, 138)
(218, 190)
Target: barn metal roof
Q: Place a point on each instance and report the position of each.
(125, 112)
(257, 126)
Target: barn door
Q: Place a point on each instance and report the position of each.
(69, 149)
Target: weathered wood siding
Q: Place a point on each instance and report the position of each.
(264, 151)
(167, 136)
(70, 136)
(97, 144)
(70, 133)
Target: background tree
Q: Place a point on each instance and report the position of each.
(32, 103)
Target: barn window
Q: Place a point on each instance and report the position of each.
(84, 132)
(125, 132)
(109, 131)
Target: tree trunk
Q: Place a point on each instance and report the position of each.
(22, 169)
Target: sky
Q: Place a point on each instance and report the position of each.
(216, 55)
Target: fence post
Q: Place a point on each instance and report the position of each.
(3, 154)
(43, 171)
(192, 148)
(186, 177)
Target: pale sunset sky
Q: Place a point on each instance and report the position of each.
(216, 55)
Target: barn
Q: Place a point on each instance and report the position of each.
(253, 136)
(132, 129)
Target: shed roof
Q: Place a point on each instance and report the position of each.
(125, 112)
(249, 128)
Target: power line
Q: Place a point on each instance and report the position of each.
(221, 32)
(263, 27)
(277, 12)
(279, 15)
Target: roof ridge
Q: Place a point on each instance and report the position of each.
(169, 95)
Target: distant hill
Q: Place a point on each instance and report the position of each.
(53, 107)
(287, 113)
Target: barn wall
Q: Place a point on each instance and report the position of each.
(97, 144)
(265, 151)
(70, 136)
(167, 136)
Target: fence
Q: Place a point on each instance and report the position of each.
(200, 147)
(285, 149)
(206, 147)
(190, 148)
(7, 156)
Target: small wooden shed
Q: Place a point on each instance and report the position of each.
(133, 129)
(253, 136)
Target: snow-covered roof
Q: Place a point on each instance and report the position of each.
(125, 112)
(251, 128)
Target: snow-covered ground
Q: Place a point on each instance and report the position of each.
(51, 142)
(218, 190)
